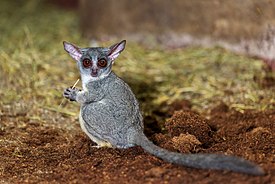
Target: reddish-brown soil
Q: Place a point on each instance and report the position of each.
(57, 151)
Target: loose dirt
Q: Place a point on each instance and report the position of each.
(57, 151)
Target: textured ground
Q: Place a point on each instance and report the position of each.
(34, 151)
(218, 102)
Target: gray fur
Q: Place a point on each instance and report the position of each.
(201, 161)
(110, 114)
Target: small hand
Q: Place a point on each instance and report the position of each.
(70, 93)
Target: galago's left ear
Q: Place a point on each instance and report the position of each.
(116, 49)
(73, 50)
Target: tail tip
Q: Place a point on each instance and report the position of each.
(257, 171)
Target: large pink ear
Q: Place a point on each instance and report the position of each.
(116, 49)
(73, 50)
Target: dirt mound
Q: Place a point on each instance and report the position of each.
(37, 152)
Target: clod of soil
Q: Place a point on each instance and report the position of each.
(191, 123)
(185, 143)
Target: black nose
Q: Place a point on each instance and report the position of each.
(94, 71)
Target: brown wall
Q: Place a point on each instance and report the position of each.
(232, 19)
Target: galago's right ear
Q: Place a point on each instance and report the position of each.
(73, 50)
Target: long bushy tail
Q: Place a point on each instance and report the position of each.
(201, 161)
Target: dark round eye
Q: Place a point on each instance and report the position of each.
(86, 62)
(102, 63)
